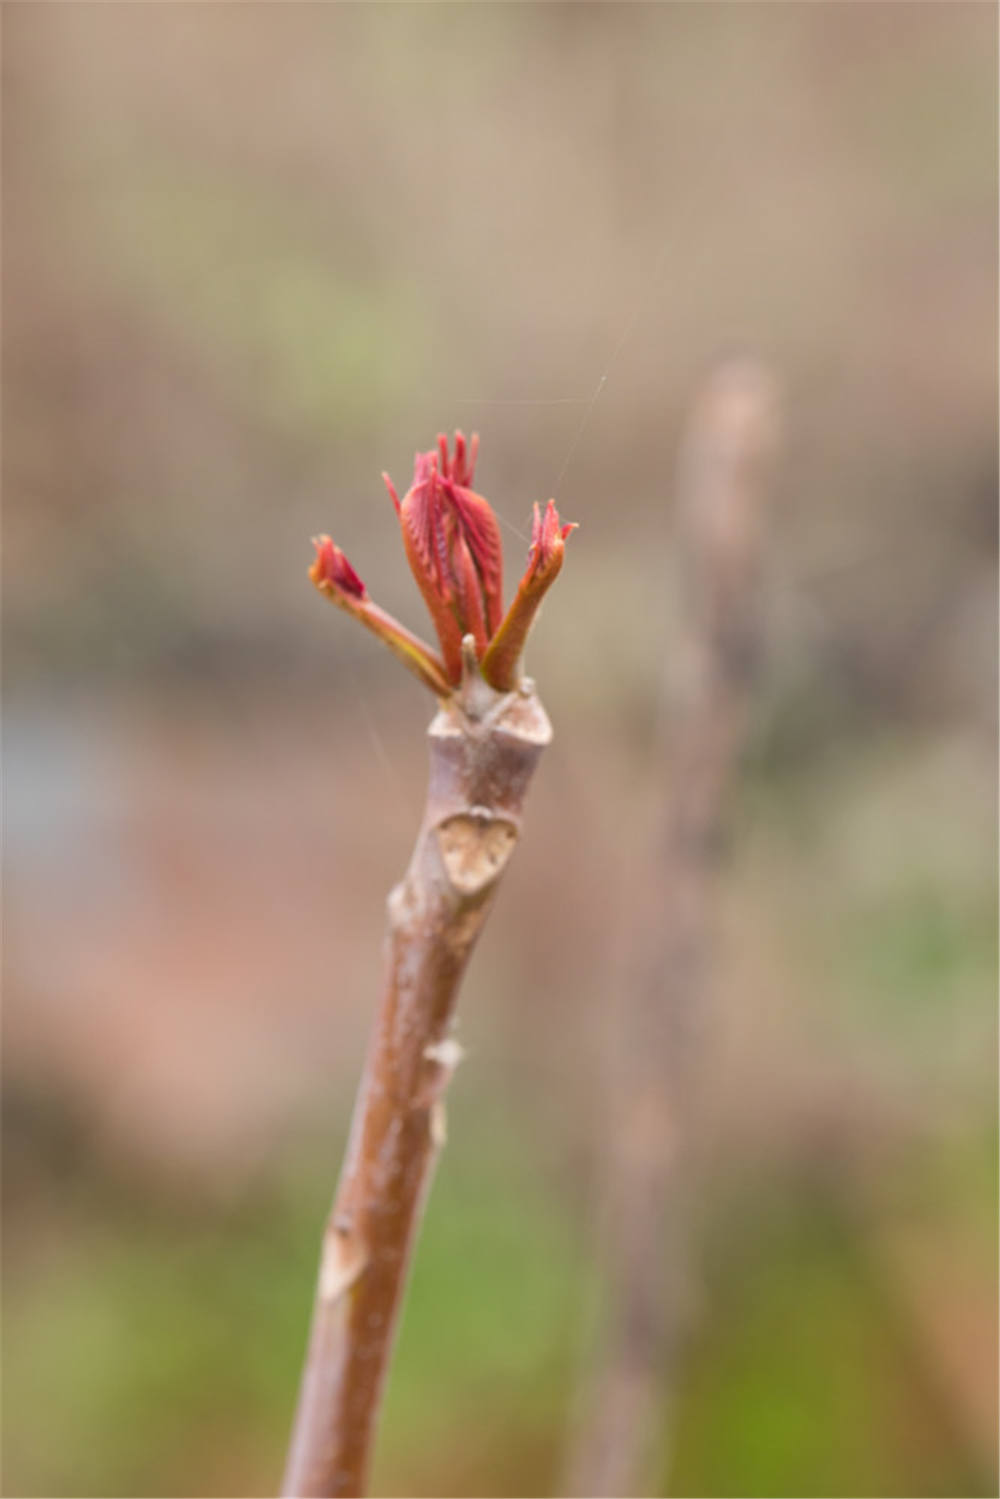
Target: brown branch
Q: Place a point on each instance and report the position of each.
(484, 746)
(724, 465)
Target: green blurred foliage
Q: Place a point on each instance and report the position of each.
(162, 1343)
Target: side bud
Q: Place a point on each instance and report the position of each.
(545, 558)
(336, 579)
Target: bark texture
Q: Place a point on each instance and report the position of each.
(655, 1048)
(484, 747)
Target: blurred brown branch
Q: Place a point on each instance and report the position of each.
(726, 458)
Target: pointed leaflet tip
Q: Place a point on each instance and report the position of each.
(547, 536)
(461, 467)
(331, 570)
(458, 469)
(394, 497)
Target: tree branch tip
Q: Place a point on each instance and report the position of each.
(484, 743)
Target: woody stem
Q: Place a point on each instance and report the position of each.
(484, 747)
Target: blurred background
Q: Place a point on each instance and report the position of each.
(253, 256)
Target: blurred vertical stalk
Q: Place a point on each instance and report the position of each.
(484, 746)
(725, 463)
